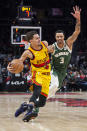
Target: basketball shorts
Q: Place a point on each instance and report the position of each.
(42, 79)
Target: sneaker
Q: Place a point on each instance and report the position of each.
(21, 109)
(29, 116)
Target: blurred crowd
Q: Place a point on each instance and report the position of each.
(76, 71)
(76, 78)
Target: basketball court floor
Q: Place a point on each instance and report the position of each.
(65, 112)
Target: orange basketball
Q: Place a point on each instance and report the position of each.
(17, 65)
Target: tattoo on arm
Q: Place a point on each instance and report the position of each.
(25, 55)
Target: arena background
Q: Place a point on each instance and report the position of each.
(67, 111)
(50, 16)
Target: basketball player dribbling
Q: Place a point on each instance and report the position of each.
(40, 64)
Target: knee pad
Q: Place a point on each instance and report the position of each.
(42, 100)
(36, 93)
(37, 90)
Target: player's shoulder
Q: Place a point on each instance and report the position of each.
(29, 53)
(45, 43)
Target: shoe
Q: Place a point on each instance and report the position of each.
(21, 109)
(29, 116)
(31, 113)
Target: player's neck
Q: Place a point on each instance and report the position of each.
(36, 47)
(60, 45)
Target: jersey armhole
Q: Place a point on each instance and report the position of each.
(32, 54)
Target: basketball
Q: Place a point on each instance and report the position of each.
(17, 66)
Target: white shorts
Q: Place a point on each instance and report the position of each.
(53, 85)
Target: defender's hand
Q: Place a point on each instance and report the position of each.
(76, 13)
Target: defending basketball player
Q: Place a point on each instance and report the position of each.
(40, 64)
(61, 53)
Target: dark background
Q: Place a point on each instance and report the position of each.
(44, 18)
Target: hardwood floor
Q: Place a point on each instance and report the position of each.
(65, 112)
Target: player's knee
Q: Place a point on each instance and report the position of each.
(42, 103)
(42, 100)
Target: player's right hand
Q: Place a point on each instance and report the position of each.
(77, 12)
(10, 67)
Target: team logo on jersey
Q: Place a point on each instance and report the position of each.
(61, 54)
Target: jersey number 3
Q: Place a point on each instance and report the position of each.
(61, 60)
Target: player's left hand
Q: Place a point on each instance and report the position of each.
(76, 13)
